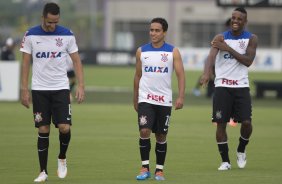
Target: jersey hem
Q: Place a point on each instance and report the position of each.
(154, 103)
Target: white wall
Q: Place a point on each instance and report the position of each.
(9, 80)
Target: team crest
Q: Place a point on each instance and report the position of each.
(218, 115)
(164, 57)
(59, 42)
(242, 44)
(37, 117)
(143, 120)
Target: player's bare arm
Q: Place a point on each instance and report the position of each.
(80, 94)
(137, 76)
(25, 68)
(209, 64)
(179, 70)
(247, 58)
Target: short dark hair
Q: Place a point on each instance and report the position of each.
(161, 21)
(241, 9)
(51, 8)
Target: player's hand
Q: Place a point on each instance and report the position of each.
(219, 38)
(25, 98)
(80, 95)
(204, 80)
(179, 103)
(220, 44)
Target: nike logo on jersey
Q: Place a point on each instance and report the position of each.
(146, 57)
(38, 42)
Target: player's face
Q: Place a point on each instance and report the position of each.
(157, 34)
(238, 21)
(49, 22)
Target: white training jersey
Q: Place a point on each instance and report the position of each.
(157, 69)
(228, 71)
(49, 52)
(69, 64)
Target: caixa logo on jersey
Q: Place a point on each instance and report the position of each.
(48, 54)
(228, 56)
(156, 69)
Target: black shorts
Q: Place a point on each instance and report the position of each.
(70, 74)
(154, 117)
(51, 105)
(231, 103)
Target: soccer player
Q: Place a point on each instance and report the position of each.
(236, 50)
(155, 63)
(48, 46)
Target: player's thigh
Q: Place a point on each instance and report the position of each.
(41, 102)
(163, 119)
(222, 105)
(243, 105)
(61, 107)
(146, 115)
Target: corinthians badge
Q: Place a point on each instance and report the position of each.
(218, 114)
(143, 120)
(37, 117)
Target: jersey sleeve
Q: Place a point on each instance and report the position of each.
(26, 44)
(72, 47)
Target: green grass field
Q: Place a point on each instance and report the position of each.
(104, 144)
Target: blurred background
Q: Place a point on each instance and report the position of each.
(108, 32)
(121, 24)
